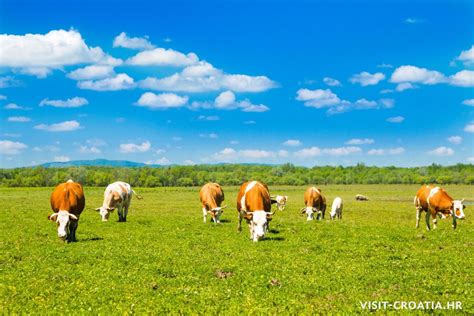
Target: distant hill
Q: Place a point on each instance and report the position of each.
(96, 163)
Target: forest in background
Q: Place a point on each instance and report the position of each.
(236, 174)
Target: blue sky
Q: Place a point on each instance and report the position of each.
(191, 82)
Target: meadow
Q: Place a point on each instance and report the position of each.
(166, 260)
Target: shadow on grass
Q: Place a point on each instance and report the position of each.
(90, 239)
(274, 231)
(274, 239)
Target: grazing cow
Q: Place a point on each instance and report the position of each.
(280, 201)
(67, 203)
(117, 195)
(315, 203)
(336, 208)
(436, 201)
(254, 204)
(360, 197)
(212, 196)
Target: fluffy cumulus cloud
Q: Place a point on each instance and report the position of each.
(161, 161)
(161, 101)
(469, 128)
(203, 77)
(69, 103)
(316, 151)
(395, 119)
(208, 118)
(227, 101)
(469, 102)
(367, 79)
(455, 140)
(360, 141)
(331, 82)
(66, 126)
(163, 57)
(467, 56)
(389, 151)
(413, 74)
(92, 72)
(441, 151)
(8, 81)
(38, 54)
(292, 143)
(122, 40)
(61, 159)
(245, 155)
(13, 106)
(118, 82)
(464, 78)
(11, 148)
(19, 119)
(135, 148)
(89, 150)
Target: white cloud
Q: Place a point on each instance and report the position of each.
(119, 82)
(331, 82)
(283, 153)
(413, 74)
(455, 140)
(385, 91)
(227, 101)
(442, 151)
(208, 118)
(50, 148)
(13, 106)
(469, 102)
(188, 162)
(122, 40)
(234, 142)
(341, 151)
(360, 141)
(177, 138)
(89, 150)
(469, 128)
(464, 78)
(387, 103)
(396, 119)
(65, 126)
(390, 151)
(13, 135)
(3, 97)
(467, 56)
(61, 159)
(365, 104)
(92, 72)
(135, 148)
(245, 155)
(38, 54)
(318, 98)
(405, 86)
(161, 101)
(292, 143)
(69, 103)
(19, 119)
(11, 148)
(8, 81)
(367, 79)
(161, 161)
(412, 20)
(384, 65)
(203, 77)
(470, 159)
(163, 57)
(308, 152)
(210, 135)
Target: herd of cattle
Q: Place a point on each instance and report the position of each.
(254, 204)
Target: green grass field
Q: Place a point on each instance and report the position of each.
(165, 259)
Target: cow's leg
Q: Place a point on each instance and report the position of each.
(239, 223)
(125, 211)
(428, 220)
(204, 214)
(454, 222)
(119, 211)
(72, 230)
(435, 220)
(418, 213)
(251, 231)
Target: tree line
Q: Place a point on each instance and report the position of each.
(236, 174)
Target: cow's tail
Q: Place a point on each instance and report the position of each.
(137, 195)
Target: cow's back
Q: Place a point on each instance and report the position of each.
(69, 197)
(437, 200)
(257, 198)
(313, 197)
(211, 193)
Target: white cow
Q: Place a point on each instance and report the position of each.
(336, 208)
(117, 195)
(280, 201)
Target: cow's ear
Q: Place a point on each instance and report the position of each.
(464, 206)
(110, 209)
(97, 209)
(53, 217)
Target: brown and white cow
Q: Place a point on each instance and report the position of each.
(280, 201)
(67, 203)
(254, 204)
(436, 201)
(315, 203)
(117, 195)
(212, 196)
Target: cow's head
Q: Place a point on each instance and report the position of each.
(104, 212)
(216, 213)
(62, 218)
(281, 201)
(258, 222)
(458, 209)
(310, 212)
